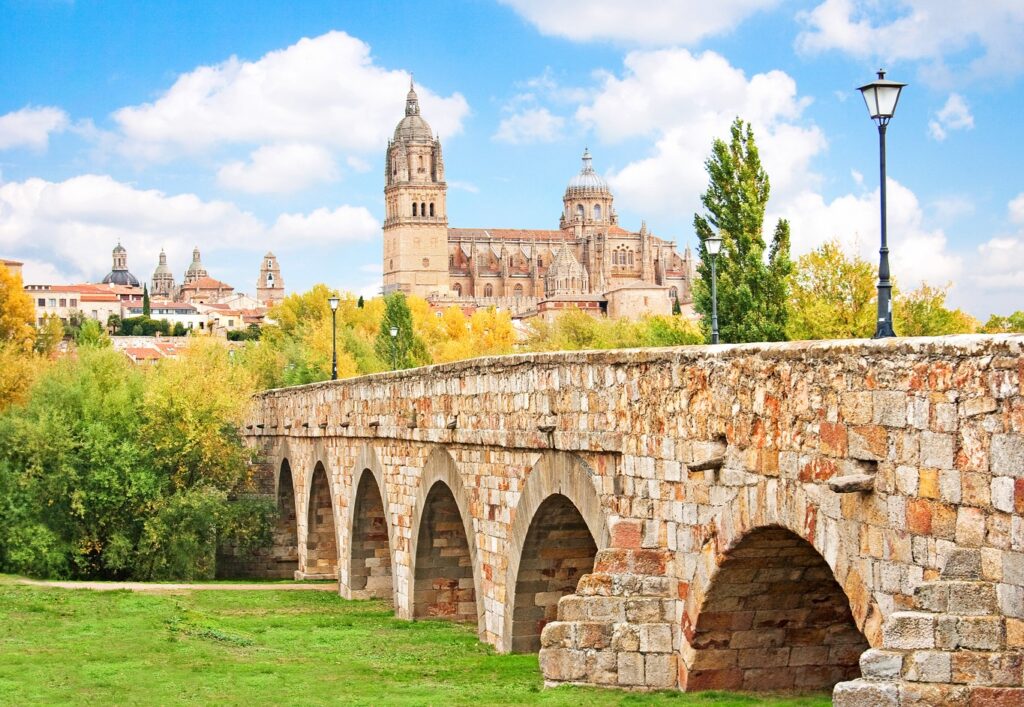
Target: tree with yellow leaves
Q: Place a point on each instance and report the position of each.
(17, 315)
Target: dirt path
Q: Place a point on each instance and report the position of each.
(162, 587)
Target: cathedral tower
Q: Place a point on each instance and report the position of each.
(270, 285)
(163, 279)
(415, 213)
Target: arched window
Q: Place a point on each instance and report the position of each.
(414, 208)
(630, 257)
(423, 209)
(451, 260)
(597, 212)
(458, 289)
(518, 291)
(488, 290)
(540, 262)
(579, 210)
(431, 208)
(673, 294)
(270, 278)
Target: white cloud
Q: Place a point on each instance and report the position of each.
(325, 90)
(983, 37)
(1016, 207)
(645, 22)
(375, 268)
(279, 169)
(684, 102)
(917, 254)
(530, 126)
(75, 224)
(345, 223)
(954, 115)
(357, 164)
(464, 186)
(31, 127)
(1001, 267)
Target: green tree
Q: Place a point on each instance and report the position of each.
(923, 312)
(92, 334)
(360, 303)
(405, 349)
(49, 335)
(832, 295)
(996, 324)
(752, 291)
(17, 315)
(145, 301)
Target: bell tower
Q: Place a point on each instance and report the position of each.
(415, 212)
(270, 284)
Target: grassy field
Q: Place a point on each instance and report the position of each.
(262, 647)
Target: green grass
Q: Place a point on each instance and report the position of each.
(252, 648)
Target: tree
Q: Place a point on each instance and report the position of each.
(405, 349)
(360, 304)
(996, 324)
(17, 315)
(923, 312)
(92, 334)
(50, 334)
(145, 301)
(752, 292)
(832, 295)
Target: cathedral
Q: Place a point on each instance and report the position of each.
(589, 262)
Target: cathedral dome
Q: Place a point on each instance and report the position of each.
(121, 277)
(161, 268)
(587, 181)
(413, 126)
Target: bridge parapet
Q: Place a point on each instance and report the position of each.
(868, 462)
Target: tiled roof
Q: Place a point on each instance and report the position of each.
(501, 234)
(142, 353)
(207, 283)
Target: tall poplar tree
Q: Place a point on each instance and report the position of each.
(405, 349)
(752, 289)
(145, 301)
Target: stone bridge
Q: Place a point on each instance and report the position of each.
(757, 517)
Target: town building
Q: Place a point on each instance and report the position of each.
(590, 262)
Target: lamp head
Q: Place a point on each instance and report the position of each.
(881, 97)
(713, 245)
(394, 331)
(333, 301)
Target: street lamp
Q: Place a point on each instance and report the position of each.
(713, 244)
(333, 301)
(881, 97)
(394, 347)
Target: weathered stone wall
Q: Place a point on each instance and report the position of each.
(882, 456)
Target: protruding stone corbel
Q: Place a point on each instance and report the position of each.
(259, 426)
(287, 425)
(411, 424)
(852, 483)
(346, 422)
(248, 427)
(712, 464)
(547, 429)
(305, 424)
(373, 423)
(323, 425)
(453, 422)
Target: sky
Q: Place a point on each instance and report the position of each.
(243, 127)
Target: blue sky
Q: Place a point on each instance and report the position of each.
(242, 127)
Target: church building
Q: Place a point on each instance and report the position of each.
(589, 262)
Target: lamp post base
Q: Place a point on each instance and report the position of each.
(884, 330)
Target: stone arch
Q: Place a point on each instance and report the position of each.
(773, 617)
(370, 535)
(555, 474)
(441, 479)
(321, 536)
(285, 549)
(488, 290)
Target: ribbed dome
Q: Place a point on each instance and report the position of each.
(587, 181)
(412, 126)
(121, 277)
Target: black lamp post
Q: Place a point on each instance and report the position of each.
(394, 347)
(333, 301)
(713, 245)
(881, 96)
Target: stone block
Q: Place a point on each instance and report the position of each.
(986, 668)
(861, 693)
(997, 697)
(963, 564)
(645, 610)
(1007, 455)
(881, 664)
(868, 442)
(909, 630)
(572, 608)
(660, 671)
(927, 695)
(927, 666)
(1013, 567)
(562, 664)
(937, 450)
(605, 609)
(590, 635)
(631, 669)
(985, 633)
(1002, 488)
(558, 634)
(1014, 633)
(625, 638)
(889, 408)
(655, 638)
(972, 598)
(932, 596)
